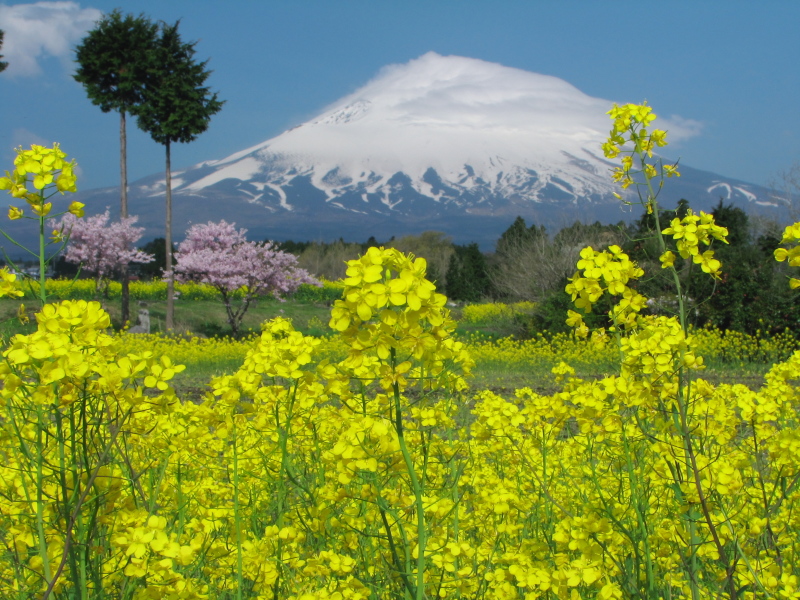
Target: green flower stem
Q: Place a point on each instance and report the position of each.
(76, 510)
(695, 471)
(545, 492)
(637, 497)
(415, 484)
(609, 512)
(156, 478)
(68, 498)
(283, 492)
(652, 203)
(236, 512)
(403, 570)
(767, 501)
(181, 501)
(18, 567)
(548, 509)
(42, 289)
(740, 552)
(455, 474)
(40, 496)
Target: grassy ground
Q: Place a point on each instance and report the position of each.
(500, 372)
(208, 318)
(205, 318)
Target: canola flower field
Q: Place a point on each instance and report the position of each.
(291, 479)
(341, 468)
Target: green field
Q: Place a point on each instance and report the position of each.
(504, 362)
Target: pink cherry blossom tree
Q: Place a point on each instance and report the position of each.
(219, 255)
(101, 247)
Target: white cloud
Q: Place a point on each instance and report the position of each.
(25, 138)
(35, 31)
(679, 129)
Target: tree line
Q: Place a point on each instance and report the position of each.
(529, 263)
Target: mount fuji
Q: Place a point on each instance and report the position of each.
(442, 142)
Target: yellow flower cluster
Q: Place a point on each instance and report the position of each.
(349, 426)
(9, 286)
(388, 307)
(328, 293)
(487, 312)
(608, 271)
(42, 167)
(593, 531)
(690, 232)
(539, 354)
(630, 127)
(213, 355)
(653, 354)
(791, 235)
(68, 396)
(68, 289)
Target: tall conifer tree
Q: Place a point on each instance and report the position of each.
(467, 275)
(113, 63)
(176, 107)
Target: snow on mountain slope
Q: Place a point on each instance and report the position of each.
(477, 125)
(442, 142)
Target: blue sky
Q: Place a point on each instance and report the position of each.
(731, 66)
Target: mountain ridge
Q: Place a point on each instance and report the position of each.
(441, 142)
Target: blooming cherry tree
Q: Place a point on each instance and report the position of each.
(102, 248)
(219, 255)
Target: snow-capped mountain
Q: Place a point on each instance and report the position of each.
(442, 142)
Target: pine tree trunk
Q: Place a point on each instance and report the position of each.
(123, 166)
(170, 320)
(123, 211)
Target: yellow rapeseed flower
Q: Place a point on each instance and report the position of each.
(76, 208)
(41, 167)
(9, 285)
